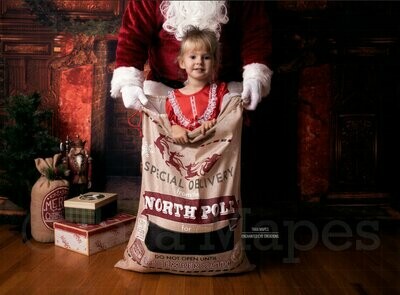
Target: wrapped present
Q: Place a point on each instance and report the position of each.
(91, 208)
(92, 238)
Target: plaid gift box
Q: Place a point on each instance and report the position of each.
(91, 208)
(92, 238)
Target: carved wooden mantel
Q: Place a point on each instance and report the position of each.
(59, 66)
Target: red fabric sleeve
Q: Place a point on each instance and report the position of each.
(245, 39)
(138, 27)
(255, 45)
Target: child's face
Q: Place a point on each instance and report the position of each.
(198, 63)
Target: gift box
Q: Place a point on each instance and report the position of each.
(91, 208)
(92, 238)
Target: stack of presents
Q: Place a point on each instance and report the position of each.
(92, 223)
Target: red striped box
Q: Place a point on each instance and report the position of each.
(88, 239)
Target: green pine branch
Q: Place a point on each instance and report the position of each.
(48, 15)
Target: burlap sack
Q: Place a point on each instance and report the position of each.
(189, 216)
(47, 201)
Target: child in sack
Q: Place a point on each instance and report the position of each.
(199, 102)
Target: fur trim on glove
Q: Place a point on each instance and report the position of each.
(261, 73)
(125, 76)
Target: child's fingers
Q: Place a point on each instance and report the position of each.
(203, 128)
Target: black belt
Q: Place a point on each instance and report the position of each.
(161, 240)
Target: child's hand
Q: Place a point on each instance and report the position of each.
(207, 125)
(179, 134)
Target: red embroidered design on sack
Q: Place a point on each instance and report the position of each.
(172, 158)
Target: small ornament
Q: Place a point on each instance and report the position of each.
(79, 164)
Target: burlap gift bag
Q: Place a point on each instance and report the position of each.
(189, 215)
(47, 199)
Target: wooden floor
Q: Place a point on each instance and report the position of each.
(36, 268)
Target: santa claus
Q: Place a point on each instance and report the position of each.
(151, 32)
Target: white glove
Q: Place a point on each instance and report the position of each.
(251, 94)
(133, 97)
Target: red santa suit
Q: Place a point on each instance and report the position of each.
(190, 111)
(245, 38)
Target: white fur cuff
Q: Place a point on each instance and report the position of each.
(261, 73)
(125, 76)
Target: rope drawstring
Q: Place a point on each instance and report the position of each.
(138, 125)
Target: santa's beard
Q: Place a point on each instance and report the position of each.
(203, 14)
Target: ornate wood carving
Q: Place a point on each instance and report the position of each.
(27, 48)
(356, 152)
(10, 6)
(100, 6)
(302, 5)
(365, 99)
(82, 53)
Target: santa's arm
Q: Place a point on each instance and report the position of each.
(137, 30)
(256, 51)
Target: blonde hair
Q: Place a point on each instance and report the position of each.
(206, 39)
